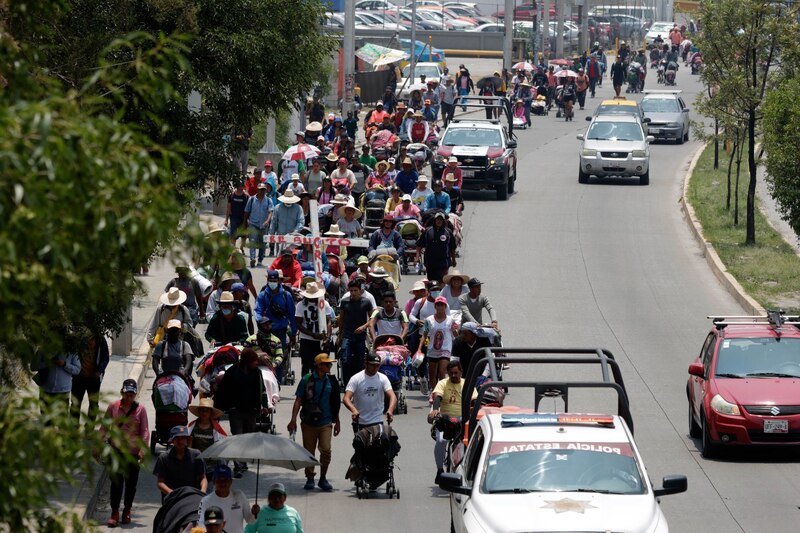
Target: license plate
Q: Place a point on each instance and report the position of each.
(654, 130)
(467, 173)
(776, 426)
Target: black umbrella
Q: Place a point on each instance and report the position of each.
(494, 81)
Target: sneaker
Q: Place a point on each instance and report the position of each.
(310, 484)
(423, 386)
(237, 473)
(252, 263)
(324, 484)
(126, 516)
(113, 521)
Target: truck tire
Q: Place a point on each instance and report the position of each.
(512, 180)
(583, 177)
(503, 189)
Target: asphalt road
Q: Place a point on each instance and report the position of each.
(607, 264)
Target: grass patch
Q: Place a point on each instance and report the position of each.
(768, 271)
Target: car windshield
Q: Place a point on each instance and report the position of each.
(616, 131)
(519, 467)
(617, 110)
(472, 137)
(659, 105)
(429, 71)
(660, 28)
(765, 357)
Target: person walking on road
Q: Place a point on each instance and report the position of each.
(173, 352)
(258, 215)
(474, 303)
(205, 430)
(594, 73)
(243, 395)
(277, 517)
(180, 466)
(447, 402)
(439, 247)
(365, 393)
(464, 84)
(317, 402)
(232, 502)
(93, 355)
(278, 304)
(581, 86)
(54, 377)
(312, 340)
(227, 325)
(130, 416)
(353, 324)
(440, 329)
(447, 96)
(617, 75)
(170, 307)
(213, 520)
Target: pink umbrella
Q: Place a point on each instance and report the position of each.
(300, 152)
(562, 62)
(522, 65)
(566, 74)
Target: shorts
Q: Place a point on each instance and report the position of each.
(444, 354)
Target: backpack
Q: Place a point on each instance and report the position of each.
(310, 411)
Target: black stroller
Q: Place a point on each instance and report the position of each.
(372, 464)
(178, 513)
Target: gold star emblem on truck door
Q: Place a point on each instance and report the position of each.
(566, 505)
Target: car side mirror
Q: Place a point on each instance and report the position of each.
(588, 119)
(685, 109)
(696, 369)
(579, 136)
(511, 144)
(671, 485)
(646, 120)
(453, 483)
(650, 138)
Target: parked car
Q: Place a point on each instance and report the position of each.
(658, 29)
(492, 27)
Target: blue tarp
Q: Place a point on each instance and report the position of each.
(429, 55)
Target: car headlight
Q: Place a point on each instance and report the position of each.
(639, 153)
(586, 152)
(724, 407)
(497, 161)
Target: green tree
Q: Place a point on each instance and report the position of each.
(742, 44)
(782, 146)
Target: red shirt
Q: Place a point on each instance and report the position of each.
(456, 173)
(292, 274)
(251, 185)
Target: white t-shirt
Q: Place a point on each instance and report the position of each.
(235, 509)
(453, 302)
(423, 310)
(364, 294)
(307, 314)
(389, 324)
(440, 335)
(368, 395)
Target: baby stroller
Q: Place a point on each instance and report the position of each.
(539, 105)
(212, 367)
(374, 201)
(410, 230)
(178, 513)
(393, 354)
(389, 264)
(266, 423)
(634, 72)
(559, 99)
(372, 464)
(520, 123)
(171, 398)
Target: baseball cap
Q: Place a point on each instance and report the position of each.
(273, 274)
(469, 326)
(374, 358)
(262, 185)
(323, 358)
(222, 471)
(440, 300)
(213, 515)
(178, 431)
(474, 282)
(277, 487)
(267, 163)
(174, 323)
(419, 285)
(406, 198)
(238, 286)
(295, 177)
(300, 133)
(342, 160)
(287, 251)
(129, 385)
(264, 319)
(363, 260)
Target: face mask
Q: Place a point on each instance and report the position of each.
(434, 294)
(272, 285)
(227, 312)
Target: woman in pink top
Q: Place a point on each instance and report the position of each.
(453, 168)
(131, 417)
(406, 209)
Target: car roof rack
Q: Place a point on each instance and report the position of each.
(662, 91)
(776, 318)
(489, 358)
(495, 102)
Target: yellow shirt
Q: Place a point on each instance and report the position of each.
(451, 396)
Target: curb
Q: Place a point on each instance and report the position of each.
(714, 262)
(137, 374)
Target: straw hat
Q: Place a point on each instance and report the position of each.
(226, 298)
(455, 274)
(314, 126)
(419, 285)
(423, 179)
(331, 157)
(339, 199)
(174, 296)
(382, 164)
(313, 291)
(380, 340)
(350, 205)
(289, 197)
(379, 272)
(207, 403)
(334, 230)
(213, 227)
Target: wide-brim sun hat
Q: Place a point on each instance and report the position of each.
(288, 197)
(313, 291)
(334, 231)
(332, 157)
(455, 274)
(174, 296)
(314, 126)
(206, 403)
(350, 205)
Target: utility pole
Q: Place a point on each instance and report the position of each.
(583, 42)
(545, 29)
(349, 55)
(560, 8)
(413, 51)
(508, 23)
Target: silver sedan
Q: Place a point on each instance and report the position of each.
(668, 114)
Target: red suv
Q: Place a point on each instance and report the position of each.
(744, 386)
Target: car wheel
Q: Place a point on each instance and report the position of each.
(503, 189)
(512, 180)
(583, 177)
(707, 447)
(686, 136)
(644, 179)
(679, 140)
(694, 428)
(452, 525)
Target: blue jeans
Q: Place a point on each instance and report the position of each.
(256, 235)
(354, 350)
(463, 92)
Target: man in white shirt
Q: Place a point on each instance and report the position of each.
(233, 503)
(363, 395)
